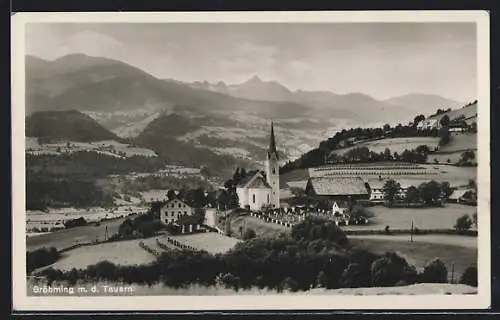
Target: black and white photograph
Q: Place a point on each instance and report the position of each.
(325, 160)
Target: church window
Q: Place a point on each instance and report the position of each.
(274, 170)
(179, 205)
(267, 198)
(253, 198)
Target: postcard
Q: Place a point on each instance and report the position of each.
(251, 160)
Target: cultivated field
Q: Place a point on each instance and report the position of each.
(210, 241)
(419, 253)
(123, 253)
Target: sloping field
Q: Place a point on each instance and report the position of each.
(124, 253)
(460, 142)
(210, 241)
(456, 258)
(262, 229)
(68, 237)
(394, 144)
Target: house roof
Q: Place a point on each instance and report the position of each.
(256, 181)
(458, 193)
(331, 186)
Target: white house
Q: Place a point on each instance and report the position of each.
(173, 209)
(260, 191)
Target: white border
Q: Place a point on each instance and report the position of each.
(21, 302)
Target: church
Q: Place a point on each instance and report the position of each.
(262, 191)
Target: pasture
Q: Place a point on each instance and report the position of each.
(419, 253)
(210, 241)
(262, 229)
(125, 253)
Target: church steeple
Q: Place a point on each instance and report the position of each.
(272, 144)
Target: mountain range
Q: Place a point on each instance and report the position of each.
(181, 118)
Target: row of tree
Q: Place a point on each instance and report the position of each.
(430, 193)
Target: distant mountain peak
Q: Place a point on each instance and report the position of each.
(255, 79)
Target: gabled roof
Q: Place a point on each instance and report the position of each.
(337, 186)
(256, 181)
(178, 199)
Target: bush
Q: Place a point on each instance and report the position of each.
(249, 234)
(469, 277)
(40, 258)
(353, 276)
(75, 223)
(313, 228)
(321, 280)
(434, 272)
(463, 223)
(390, 269)
(289, 284)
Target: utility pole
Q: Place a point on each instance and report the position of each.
(411, 232)
(106, 234)
(452, 272)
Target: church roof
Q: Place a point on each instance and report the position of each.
(255, 181)
(337, 186)
(272, 144)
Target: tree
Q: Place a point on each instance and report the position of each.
(434, 272)
(444, 121)
(386, 127)
(170, 194)
(444, 136)
(430, 192)
(472, 184)
(390, 189)
(321, 280)
(474, 218)
(223, 200)
(446, 189)
(234, 201)
(418, 119)
(387, 154)
(463, 223)
(249, 234)
(467, 156)
(353, 277)
(469, 277)
(205, 172)
(391, 269)
(412, 195)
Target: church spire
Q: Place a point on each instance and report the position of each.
(272, 143)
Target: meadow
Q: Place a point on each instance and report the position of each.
(210, 241)
(394, 144)
(125, 253)
(456, 257)
(68, 237)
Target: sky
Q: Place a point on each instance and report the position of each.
(383, 60)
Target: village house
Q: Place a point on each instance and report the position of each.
(337, 190)
(260, 191)
(173, 209)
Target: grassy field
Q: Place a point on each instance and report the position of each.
(119, 252)
(419, 253)
(211, 242)
(262, 229)
(68, 237)
(423, 218)
(460, 142)
(394, 144)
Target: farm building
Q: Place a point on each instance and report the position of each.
(457, 194)
(337, 189)
(175, 208)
